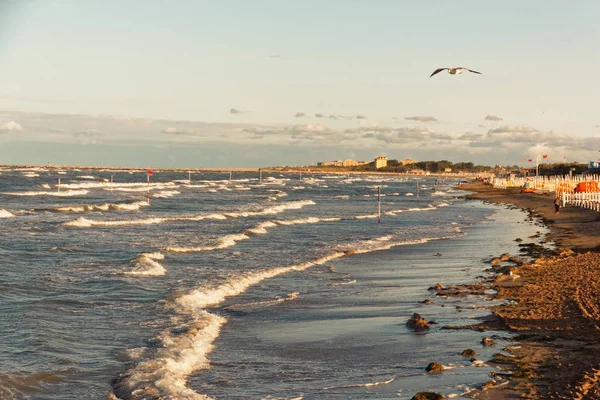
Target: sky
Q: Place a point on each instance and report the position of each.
(194, 83)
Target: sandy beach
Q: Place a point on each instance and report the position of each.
(553, 304)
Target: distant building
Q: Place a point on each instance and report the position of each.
(340, 163)
(408, 161)
(380, 162)
(352, 163)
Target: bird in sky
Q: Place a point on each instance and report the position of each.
(454, 71)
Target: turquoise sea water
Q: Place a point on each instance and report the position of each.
(243, 289)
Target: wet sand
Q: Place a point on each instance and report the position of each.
(554, 305)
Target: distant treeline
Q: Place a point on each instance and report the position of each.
(438, 167)
(560, 169)
(426, 166)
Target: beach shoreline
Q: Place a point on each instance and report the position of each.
(552, 304)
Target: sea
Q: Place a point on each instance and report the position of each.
(117, 284)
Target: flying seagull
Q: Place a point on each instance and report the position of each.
(453, 71)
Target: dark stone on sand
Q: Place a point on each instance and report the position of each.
(495, 261)
(427, 396)
(426, 301)
(418, 323)
(468, 353)
(350, 252)
(518, 240)
(434, 367)
(438, 286)
(516, 260)
(438, 254)
(501, 358)
(504, 256)
(489, 384)
(486, 341)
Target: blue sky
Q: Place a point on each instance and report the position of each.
(256, 83)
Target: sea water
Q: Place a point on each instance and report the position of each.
(272, 288)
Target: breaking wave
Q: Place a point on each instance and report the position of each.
(259, 229)
(292, 205)
(146, 264)
(66, 193)
(134, 206)
(5, 214)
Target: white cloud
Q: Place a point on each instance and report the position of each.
(236, 111)
(299, 115)
(360, 117)
(311, 132)
(422, 118)
(10, 126)
(492, 118)
(178, 131)
(259, 132)
(471, 136)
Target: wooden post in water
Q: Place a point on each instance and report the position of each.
(378, 204)
(229, 176)
(111, 183)
(148, 179)
(58, 185)
(417, 191)
(259, 175)
(300, 173)
(189, 178)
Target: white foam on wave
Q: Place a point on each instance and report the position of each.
(82, 222)
(165, 194)
(259, 229)
(85, 177)
(184, 348)
(205, 297)
(65, 193)
(222, 243)
(5, 214)
(369, 384)
(29, 174)
(133, 206)
(290, 297)
(308, 220)
(413, 209)
(292, 205)
(123, 186)
(146, 264)
(366, 216)
(165, 375)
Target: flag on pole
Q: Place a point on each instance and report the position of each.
(530, 160)
(150, 172)
(544, 155)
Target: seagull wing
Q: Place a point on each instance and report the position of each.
(437, 71)
(470, 70)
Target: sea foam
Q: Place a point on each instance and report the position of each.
(5, 214)
(146, 264)
(64, 193)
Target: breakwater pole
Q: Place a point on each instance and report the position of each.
(378, 204)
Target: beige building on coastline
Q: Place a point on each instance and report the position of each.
(380, 162)
(340, 163)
